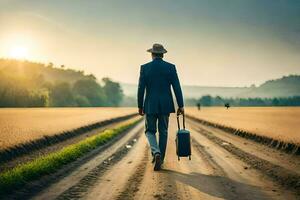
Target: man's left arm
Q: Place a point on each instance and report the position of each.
(177, 90)
(141, 91)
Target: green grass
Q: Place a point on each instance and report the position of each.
(16, 177)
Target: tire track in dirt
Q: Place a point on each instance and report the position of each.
(217, 169)
(287, 161)
(156, 184)
(239, 180)
(285, 146)
(213, 173)
(53, 186)
(115, 180)
(135, 180)
(284, 177)
(200, 178)
(80, 189)
(228, 189)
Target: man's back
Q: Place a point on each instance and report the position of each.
(156, 78)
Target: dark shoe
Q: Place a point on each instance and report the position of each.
(157, 162)
(153, 159)
(161, 164)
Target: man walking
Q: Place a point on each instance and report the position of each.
(156, 79)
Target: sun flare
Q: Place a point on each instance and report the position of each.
(18, 52)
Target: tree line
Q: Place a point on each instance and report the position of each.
(208, 100)
(28, 84)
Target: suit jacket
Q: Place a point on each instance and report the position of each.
(156, 78)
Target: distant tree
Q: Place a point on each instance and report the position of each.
(38, 99)
(50, 65)
(128, 101)
(206, 100)
(91, 90)
(218, 101)
(61, 95)
(113, 92)
(81, 72)
(191, 101)
(275, 102)
(91, 76)
(82, 101)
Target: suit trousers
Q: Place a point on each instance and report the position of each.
(161, 121)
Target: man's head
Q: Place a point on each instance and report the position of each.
(157, 55)
(157, 51)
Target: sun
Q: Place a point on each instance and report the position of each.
(19, 52)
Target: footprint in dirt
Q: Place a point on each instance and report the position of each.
(160, 196)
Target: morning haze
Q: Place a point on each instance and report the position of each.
(213, 44)
(150, 99)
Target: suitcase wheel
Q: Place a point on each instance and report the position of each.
(190, 158)
(178, 158)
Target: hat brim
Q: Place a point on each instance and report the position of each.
(153, 51)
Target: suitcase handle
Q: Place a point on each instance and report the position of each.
(182, 120)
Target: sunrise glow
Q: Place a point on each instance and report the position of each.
(19, 52)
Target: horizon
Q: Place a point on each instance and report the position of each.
(126, 83)
(247, 86)
(208, 41)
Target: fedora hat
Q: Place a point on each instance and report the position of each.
(157, 48)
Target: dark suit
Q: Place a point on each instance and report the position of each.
(156, 78)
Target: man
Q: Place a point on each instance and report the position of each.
(156, 79)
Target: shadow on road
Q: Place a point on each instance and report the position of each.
(217, 186)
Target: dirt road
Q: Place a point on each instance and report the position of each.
(223, 166)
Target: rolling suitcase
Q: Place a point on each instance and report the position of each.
(183, 141)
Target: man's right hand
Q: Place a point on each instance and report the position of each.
(180, 111)
(141, 112)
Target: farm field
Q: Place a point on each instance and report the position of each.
(242, 168)
(220, 162)
(281, 123)
(19, 125)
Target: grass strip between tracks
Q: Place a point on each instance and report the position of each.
(15, 178)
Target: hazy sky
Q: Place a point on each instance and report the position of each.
(212, 42)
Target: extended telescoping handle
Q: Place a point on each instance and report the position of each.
(178, 123)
